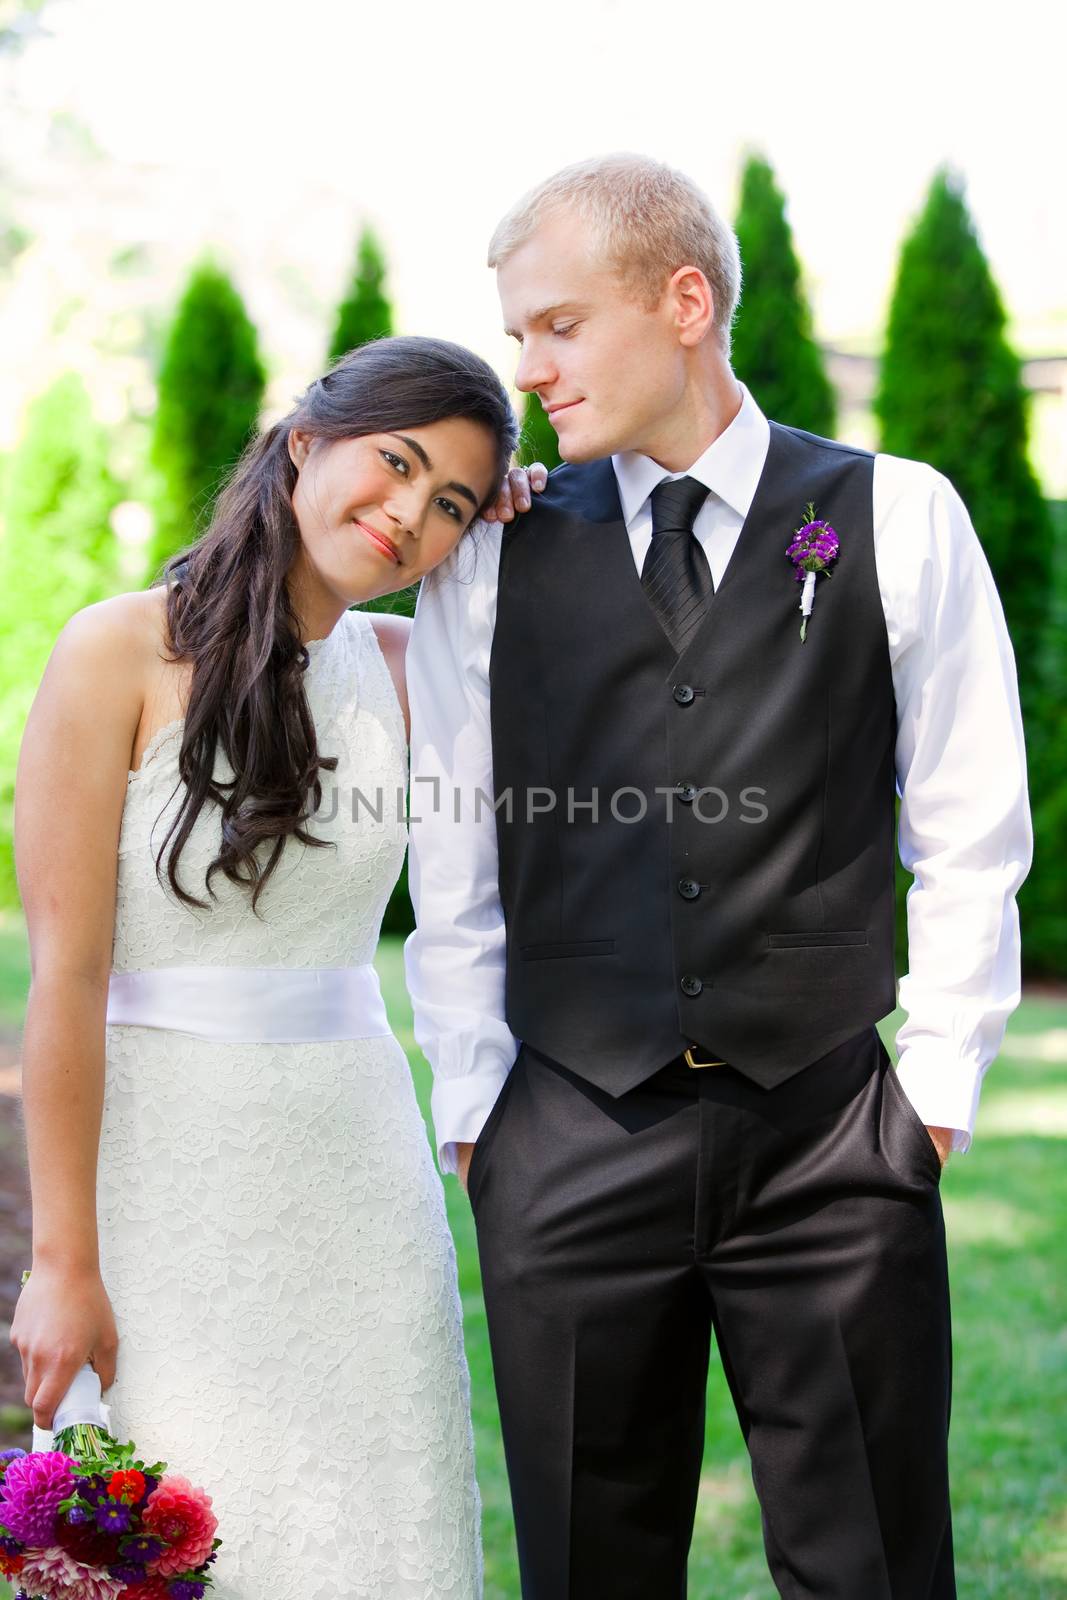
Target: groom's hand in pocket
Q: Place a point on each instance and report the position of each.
(517, 491)
(463, 1162)
(942, 1140)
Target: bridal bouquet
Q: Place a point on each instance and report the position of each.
(89, 1521)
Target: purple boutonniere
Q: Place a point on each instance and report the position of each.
(814, 547)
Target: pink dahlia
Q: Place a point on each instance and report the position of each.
(182, 1515)
(32, 1489)
(55, 1575)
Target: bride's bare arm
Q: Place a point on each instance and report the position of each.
(69, 795)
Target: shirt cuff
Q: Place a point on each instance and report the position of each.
(944, 1092)
(460, 1108)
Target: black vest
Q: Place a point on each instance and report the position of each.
(735, 887)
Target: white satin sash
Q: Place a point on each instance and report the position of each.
(249, 1005)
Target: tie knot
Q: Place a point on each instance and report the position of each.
(675, 504)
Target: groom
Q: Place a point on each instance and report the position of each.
(652, 862)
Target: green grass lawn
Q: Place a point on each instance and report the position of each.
(14, 969)
(1006, 1209)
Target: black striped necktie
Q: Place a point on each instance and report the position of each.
(676, 576)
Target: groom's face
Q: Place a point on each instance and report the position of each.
(607, 370)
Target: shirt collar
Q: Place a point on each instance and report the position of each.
(730, 467)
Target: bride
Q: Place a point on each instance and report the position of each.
(236, 1215)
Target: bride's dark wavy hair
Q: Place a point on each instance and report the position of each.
(228, 608)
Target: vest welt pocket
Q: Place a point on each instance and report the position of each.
(573, 947)
(805, 941)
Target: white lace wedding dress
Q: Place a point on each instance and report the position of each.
(272, 1226)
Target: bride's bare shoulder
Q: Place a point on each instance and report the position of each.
(91, 697)
(393, 633)
(109, 652)
(128, 629)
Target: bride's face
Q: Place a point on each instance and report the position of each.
(377, 513)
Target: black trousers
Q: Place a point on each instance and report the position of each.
(803, 1224)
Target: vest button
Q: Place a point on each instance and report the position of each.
(689, 889)
(687, 792)
(684, 693)
(691, 986)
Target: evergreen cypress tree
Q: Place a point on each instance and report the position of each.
(951, 393)
(538, 440)
(1042, 903)
(210, 392)
(58, 554)
(365, 313)
(774, 349)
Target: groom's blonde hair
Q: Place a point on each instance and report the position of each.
(648, 220)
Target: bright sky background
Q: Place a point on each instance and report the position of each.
(272, 130)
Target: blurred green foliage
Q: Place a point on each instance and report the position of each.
(364, 313)
(951, 393)
(57, 555)
(210, 392)
(774, 348)
(1043, 899)
(537, 441)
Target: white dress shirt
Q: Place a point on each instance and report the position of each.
(960, 762)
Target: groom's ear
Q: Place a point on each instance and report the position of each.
(299, 445)
(694, 305)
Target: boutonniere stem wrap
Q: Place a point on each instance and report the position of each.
(815, 545)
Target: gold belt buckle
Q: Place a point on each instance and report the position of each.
(692, 1063)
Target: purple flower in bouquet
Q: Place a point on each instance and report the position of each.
(54, 1575)
(186, 1589)
(32, 1489)
(93, 1488)
(128, 1571)
(142, 1548)
(7, 1456)
(113, 1517)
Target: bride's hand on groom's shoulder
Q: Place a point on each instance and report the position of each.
(517, 491)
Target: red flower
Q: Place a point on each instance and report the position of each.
(150, 1589)
(86, 1542)
(181, 1515)
(11, 1565)
(126, 1486)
